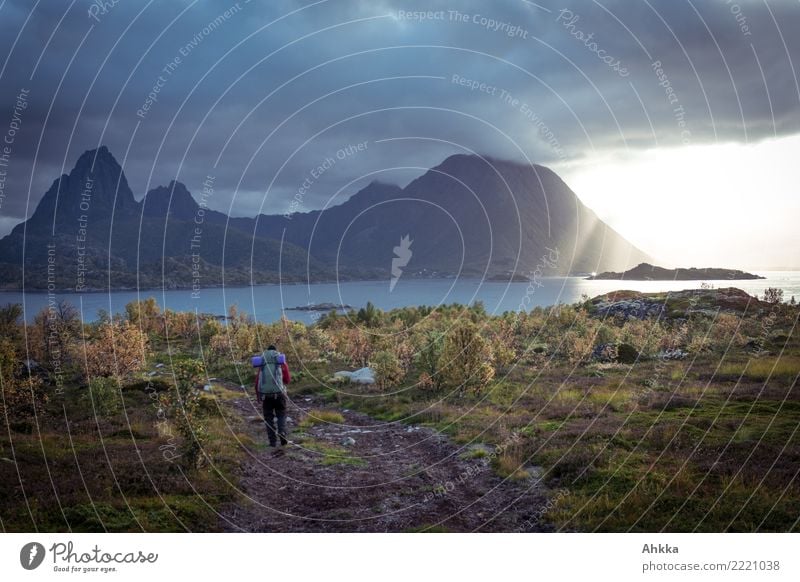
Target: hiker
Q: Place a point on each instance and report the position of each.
(271, 382)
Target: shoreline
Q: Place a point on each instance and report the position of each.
(486, 280)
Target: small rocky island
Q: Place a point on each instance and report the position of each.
(648, 272)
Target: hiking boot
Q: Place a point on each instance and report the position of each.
(284, 441)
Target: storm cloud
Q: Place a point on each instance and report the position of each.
(266, 96)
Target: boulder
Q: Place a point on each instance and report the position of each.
(673, 354)
(626, 353)
(360, 376)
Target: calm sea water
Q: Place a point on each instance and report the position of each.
(268, 302)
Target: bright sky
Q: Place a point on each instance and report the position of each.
(727, 205)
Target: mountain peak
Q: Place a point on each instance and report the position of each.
(100, 156)
(94, 189)
(175, 197)
(462, 160)
(471, 215)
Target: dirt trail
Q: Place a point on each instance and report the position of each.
(389, 478)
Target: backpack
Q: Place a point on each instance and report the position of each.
(271, 377)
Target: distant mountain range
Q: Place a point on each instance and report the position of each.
(469, 216)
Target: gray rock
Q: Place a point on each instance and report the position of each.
(348, 441)
(673, 354)
(626, 309)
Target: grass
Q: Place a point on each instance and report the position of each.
(477, 453)
(549, 425)
(644, 447)
(616, 398)
(328, 454)
(686, 452)
(509, 466)
(131, 482)
(321, 416)
(785, 368)
(505, 394)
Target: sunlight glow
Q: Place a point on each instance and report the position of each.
(724, 205)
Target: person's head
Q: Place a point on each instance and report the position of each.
(271, 347)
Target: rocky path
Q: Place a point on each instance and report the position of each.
(365, 475)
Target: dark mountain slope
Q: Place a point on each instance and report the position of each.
(468, 215)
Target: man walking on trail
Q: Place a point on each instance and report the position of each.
(271, 383)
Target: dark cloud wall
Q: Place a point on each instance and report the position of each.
(265, 93)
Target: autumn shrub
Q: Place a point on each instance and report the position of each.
(209, 328)
(605, 334)
(355, 345)
(388, 370)
(146, 315)
(186, 410)
(219, 350)
(429, 348)
(676, 336)
(119, 349)
(502, 339)
(10, 315)
(54, 340)
(322, 342)
(244, 342)
(576, 347)
(233, 343)
(725, 332)
(646, 335)
(466, 360)
(405, 352)
(24, 396)
(181, 324)
(103, 395)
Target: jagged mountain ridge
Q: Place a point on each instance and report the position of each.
(468, 215)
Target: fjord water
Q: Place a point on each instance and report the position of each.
(268, 302)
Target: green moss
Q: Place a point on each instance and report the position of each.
(327, 454)
(320, 416)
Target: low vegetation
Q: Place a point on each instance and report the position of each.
(680, 418)
(313, 417)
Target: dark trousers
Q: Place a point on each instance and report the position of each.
(275, 407)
